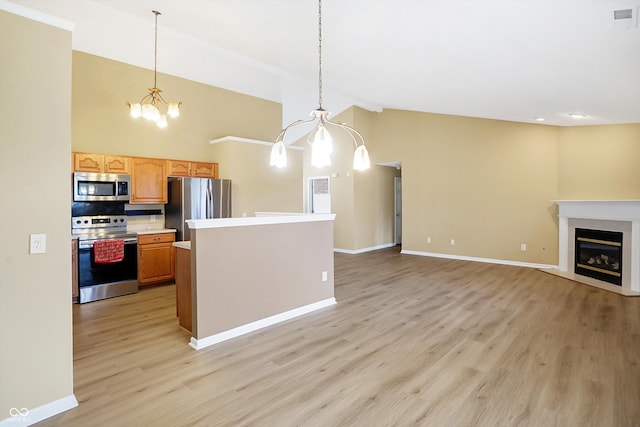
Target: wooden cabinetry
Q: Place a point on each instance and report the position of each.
(156, 258)
(195, 169)
(101, 163)
(74, 270)
(183, 287)
(179, 168)
(204, 170)
(148, 175)
(148, 180)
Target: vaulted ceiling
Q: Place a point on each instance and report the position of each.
(514, 60)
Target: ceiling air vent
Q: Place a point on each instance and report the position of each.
(624, 19)
(623, 14)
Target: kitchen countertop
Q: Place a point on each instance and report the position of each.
(154, 231)
(183, 245)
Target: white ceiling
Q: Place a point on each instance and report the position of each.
(511, 59)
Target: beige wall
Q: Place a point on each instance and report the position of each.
(487, 184)
(35, 144)
(599, 162)
(257, 186)
(248, 273)
(101, 121)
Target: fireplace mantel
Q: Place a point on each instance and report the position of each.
(620, 215)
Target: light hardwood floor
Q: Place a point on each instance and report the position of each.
(412, 341)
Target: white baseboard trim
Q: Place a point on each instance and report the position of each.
(23, 417)
(363, 250)
(259, 324)
(475, 259)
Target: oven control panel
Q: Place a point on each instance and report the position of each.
(99, 222)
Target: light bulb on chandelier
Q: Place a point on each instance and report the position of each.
(320, 139)
(148, 105)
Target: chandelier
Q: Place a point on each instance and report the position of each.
(319, 138)
(148, 107)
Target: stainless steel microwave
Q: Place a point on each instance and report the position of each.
(100, 187)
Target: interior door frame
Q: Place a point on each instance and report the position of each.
(397, 217)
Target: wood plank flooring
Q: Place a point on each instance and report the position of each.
(412, 341)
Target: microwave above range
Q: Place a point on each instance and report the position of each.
(100, 187)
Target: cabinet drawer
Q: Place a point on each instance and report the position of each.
(146, 239)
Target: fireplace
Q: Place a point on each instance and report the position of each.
(598, 254)
(599, 244)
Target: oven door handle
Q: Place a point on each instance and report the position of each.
(89, 244)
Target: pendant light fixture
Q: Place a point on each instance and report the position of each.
(320, 139)
(148, 107)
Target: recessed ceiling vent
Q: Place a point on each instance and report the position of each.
(625, 19)
(623, 14)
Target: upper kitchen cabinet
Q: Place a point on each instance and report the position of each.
(101, 163)
(204, 170)
(148, 180)
(196, 169)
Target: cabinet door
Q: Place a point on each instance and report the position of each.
(183, 287)
(87, 162)
(116, 164)
(179, 168)
(148, 180)
(204, 170)
(155, 263)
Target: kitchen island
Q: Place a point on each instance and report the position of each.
(253, 272)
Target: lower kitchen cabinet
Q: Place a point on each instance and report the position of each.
(183, 288)
(156, 258)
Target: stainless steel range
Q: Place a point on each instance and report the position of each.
(99, 221)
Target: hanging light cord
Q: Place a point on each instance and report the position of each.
(148, 105)
(278, 153)
(319, 54)
(155, 52)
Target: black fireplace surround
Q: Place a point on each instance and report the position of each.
(598, 254)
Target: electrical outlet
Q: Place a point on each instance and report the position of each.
(38, 243)
(152, 218)
(324, 276)
(453, 242)
(428, 239)
(523, 247)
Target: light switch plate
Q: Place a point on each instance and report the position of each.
(38, 243)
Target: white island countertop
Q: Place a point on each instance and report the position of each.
(262, 219)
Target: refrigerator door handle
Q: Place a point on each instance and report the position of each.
(209, 207)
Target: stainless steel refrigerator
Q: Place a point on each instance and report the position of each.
(196, 198)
